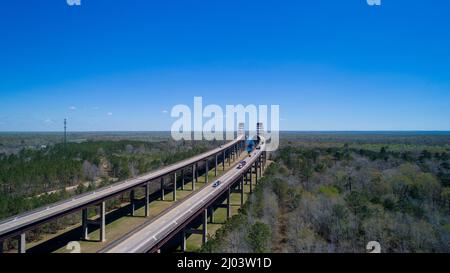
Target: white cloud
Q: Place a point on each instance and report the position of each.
(165, 111)
(109, 114)
(48, 121)
(72, 108)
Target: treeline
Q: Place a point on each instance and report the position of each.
(338, 199)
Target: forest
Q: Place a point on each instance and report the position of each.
(334, 195)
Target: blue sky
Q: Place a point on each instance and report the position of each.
(120, 65)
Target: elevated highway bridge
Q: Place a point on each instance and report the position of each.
(16, 226)
(151, 236)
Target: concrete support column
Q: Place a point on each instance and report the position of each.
(264, 161)
(147, 199)
(102, 221)
(1, 247)
(193, 177)
(22, 243)
(256, 172)
(260, 164)
(206, 171)
(229, 203)
(223, 161)
(132, 202)
(257, 167)
(84, 224)
(251, 180)
(174, 186)
(162, 188)
(182, 179)
(183, 240)
(196, 172)
(215, 166)
(242, 191)
(229, 158)
(205, 226)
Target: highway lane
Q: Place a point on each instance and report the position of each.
(147, 236)
(25, 220)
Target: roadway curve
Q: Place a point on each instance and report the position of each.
(18, 224)
(145, 237)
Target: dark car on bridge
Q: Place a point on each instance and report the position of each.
(241, 164)
(216, 184)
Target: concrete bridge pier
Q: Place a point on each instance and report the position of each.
(193, 177)
(251, 180)
(84, 224)
(132, 202)
(215, 167)
(196, 172)
(223, 161)
(1, 247)
(264, 161)
(229, 203)
(182, 179)
(22, 243)
(255, 167)
(100, 222)
(206, 171)
(242, 191)
(183, 240)
(205, 227)
(203, 231)
(162, 188)
(147, 199)
(174, 186)
(260, 164)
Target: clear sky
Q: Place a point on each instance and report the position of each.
(121, 65)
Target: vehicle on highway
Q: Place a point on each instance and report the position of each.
(216, 184)
(258, 148)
